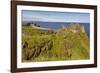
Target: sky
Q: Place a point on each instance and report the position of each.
(52, 16)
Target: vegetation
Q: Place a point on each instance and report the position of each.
(68, 43)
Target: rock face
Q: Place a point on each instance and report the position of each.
(74, 27)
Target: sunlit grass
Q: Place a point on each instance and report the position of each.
(66, 45)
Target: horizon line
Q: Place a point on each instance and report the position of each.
(54, 22)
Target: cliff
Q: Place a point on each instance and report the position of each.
(67, 43)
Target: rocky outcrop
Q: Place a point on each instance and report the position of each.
(36, 51)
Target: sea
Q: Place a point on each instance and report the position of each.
(57, 25)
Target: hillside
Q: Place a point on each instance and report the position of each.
(67, 43)
(39, 28)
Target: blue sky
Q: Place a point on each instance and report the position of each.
(51, 16)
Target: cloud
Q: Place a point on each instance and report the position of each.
(33, 18)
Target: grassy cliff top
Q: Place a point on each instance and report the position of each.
(67, 43)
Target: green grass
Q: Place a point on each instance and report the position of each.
(66, 45)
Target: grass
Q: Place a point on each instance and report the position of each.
(66, 45)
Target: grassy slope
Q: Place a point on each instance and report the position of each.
(66, 45)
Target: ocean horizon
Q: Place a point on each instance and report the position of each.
(57, 25)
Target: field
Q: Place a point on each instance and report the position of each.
(67, 43)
